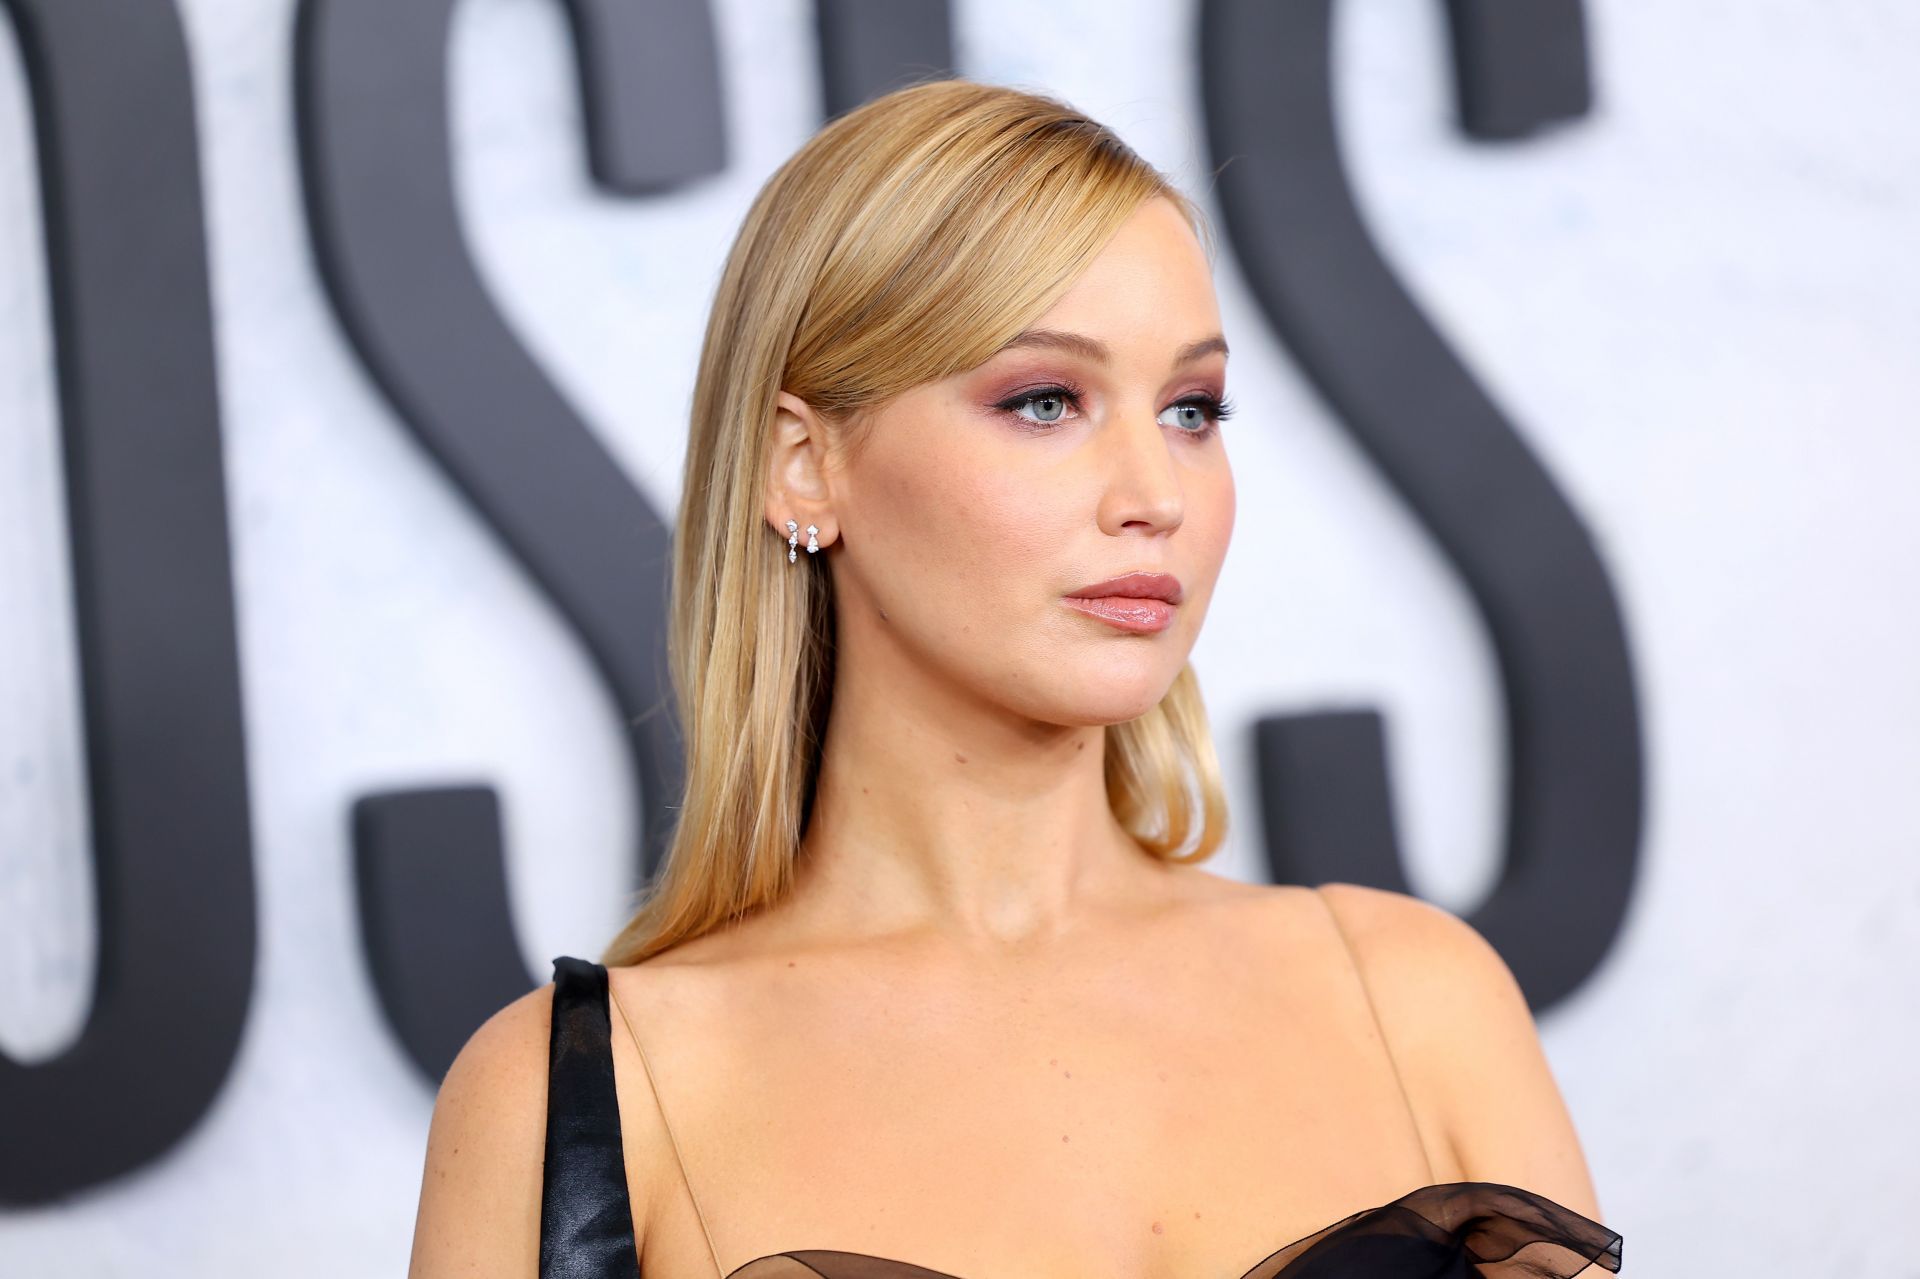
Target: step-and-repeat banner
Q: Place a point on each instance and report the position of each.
(1573, 585)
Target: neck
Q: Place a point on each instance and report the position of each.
(937, 813)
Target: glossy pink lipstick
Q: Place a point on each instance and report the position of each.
(1139, 602)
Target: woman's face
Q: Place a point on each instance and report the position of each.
(977, 506)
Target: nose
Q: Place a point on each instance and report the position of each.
(1143, 492)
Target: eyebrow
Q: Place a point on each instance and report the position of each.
(1096, 350)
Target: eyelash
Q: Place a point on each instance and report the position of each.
(1217, 410)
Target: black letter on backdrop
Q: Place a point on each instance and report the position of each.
(377, 162)
(1574, 755)
(112, 99)
(871, 47)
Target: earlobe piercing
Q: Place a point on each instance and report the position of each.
(793, 540)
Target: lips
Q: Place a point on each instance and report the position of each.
(1139, 602)
(1133, 586)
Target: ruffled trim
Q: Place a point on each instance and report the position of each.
(1459, 1228)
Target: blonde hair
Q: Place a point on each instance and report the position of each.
(907, 241)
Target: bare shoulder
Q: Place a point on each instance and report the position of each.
(1465, 1040)
(1447, 999)
(1408, 937)
(479, 1211)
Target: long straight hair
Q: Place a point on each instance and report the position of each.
(907, 241)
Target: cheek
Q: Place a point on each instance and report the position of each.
(959, 513)
(1219, 512)
(1015, 525)
(1207, 528)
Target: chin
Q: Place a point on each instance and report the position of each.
(1114, 697)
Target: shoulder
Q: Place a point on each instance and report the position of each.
(1465, 1040)
(1433, 978)
(1437, 985)
(1420, 947)
(1407, 948)
(1446, 998)
(479, 1211)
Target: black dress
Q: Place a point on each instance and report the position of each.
(1453, 1230)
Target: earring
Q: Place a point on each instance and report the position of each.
(793, 540)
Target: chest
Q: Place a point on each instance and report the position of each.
(1125, 1123)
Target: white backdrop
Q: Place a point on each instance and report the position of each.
(1701, 305)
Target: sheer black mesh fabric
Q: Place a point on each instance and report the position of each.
(1454, 1230)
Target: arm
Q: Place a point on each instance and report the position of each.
(1466, 1043)
(479, 1213)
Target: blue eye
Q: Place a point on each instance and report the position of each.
(1054, 413)
(1052, 401)
(1206, 414)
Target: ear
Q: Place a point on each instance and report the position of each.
(796, 487)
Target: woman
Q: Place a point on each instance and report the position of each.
(930, 972)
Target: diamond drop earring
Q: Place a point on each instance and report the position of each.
(793, 540)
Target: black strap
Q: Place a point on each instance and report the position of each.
(586, 1217)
